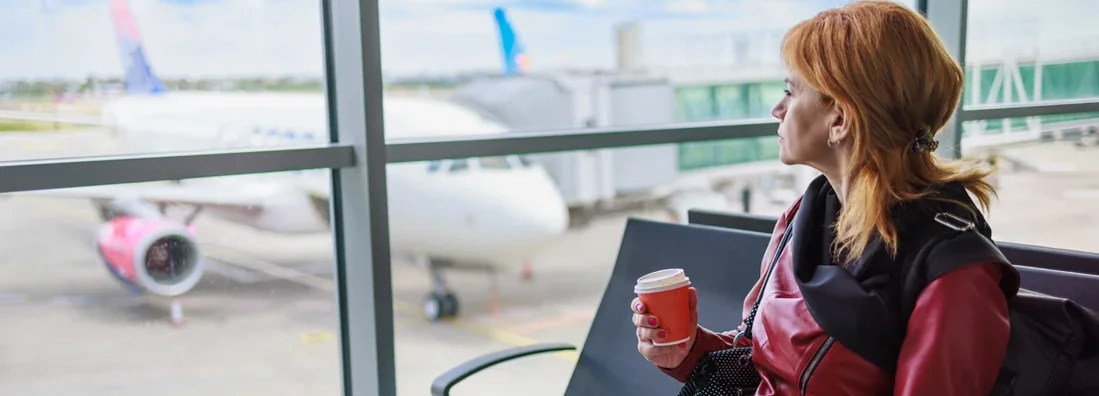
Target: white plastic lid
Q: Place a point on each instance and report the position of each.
(666, 279)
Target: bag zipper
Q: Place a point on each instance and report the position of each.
(816, 361)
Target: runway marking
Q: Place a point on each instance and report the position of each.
(551, 322)
(39, 145)
(69, 300)
(232, 272)
(227, 257)
(317, 336)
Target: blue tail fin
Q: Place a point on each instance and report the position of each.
(515, 60)
(139, 75)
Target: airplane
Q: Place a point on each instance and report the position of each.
(465, 212)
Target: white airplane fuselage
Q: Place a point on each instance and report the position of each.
(489, 210)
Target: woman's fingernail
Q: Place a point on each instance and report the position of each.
(683, 346)
(652, 321)
(637, 307)
(662, 334)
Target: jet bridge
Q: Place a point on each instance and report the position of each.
(609, 179)
(532, 103)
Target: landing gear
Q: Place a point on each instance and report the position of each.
(441, 302)
(439, 306)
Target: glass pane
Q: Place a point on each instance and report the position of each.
(536, 67)
(119, 296)
(105, 77)
(1017, 52)
(544, 237)
(1046, 177)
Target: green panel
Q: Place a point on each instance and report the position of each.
(1073, 80)
(730, 102)
(1059, 81)
(694, 104)
(1026, 73)
(988, 76)
(727, 102)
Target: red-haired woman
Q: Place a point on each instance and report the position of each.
(869, 84)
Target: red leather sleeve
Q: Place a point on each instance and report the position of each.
(705, 341)
(957, 335)
(709, 341)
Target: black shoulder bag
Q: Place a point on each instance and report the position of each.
(731, 372)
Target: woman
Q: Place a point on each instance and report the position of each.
(868, 86)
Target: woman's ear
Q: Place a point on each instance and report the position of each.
(837, 127)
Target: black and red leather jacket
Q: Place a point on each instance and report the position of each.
(957, 336)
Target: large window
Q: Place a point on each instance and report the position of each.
(521, 253)
(517, 140)
(194, 253)
(1018, 53)
(101, 77)
(549, 230)
(127, 297)
(550, 67)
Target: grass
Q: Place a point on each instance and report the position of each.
(35, 126)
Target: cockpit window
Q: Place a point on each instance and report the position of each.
(459, 165)
(464, 164)
(520, 161)
(495, 163)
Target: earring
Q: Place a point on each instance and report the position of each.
(832, 143)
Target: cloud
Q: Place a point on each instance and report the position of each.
(283, 37)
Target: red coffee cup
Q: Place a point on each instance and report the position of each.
(666, 295)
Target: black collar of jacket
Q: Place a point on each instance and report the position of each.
(863, 306)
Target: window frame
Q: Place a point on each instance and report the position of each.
(357, 154)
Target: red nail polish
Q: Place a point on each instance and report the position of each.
(652, 321)
(662, 334)
(683, 345)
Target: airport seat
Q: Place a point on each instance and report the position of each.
(1019, 254)
(722, 264)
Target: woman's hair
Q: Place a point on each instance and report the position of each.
(892, 79)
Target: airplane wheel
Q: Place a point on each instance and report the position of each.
(433, 307)
(450, 305)
(437, 307)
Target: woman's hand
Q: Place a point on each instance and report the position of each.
(648, 330)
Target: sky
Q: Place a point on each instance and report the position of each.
(238, 38)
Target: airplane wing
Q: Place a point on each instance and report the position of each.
(168, 193)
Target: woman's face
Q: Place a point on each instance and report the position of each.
(804, 126)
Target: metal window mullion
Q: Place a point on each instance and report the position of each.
(948, 18)
(998, 111)
(358, 204)
(571, 140)
(16, 176)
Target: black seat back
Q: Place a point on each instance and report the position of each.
(722, 264)
(1081, 288)
(1041, 257)
(1018, 254)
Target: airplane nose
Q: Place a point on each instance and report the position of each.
(537, 210)
(546, 213)
(551, 219)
